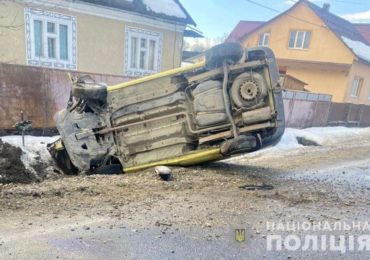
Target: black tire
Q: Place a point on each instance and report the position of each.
(108, 169)
(226, 51)
(87, 88)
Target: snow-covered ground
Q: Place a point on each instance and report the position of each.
(34, 150)
(321, 135)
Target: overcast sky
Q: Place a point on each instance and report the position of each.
(216, 17)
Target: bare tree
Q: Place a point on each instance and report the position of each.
(202, 44)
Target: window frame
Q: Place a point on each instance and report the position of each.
(360, 81)
(296, 39)
(58, 19)
(263, 35)
(141, 34)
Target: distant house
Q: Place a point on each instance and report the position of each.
(120, 37)
(329, 54)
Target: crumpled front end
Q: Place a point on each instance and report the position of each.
(78, 124)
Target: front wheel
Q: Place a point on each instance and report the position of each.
(60, 155)
(108, 169)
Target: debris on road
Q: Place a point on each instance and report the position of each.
(257, 187)
(164, 172)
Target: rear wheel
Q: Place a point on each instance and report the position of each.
(215, 56)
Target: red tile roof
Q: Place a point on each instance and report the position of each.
(241, 29)
(364, 30)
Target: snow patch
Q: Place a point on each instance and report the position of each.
(320, 135)
(166, 7)
(359, 48)
(34, 152)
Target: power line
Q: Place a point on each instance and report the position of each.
(289, 15)
(341, 1)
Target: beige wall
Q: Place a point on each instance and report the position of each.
(363, 71)
(12, 39)
(100, 41)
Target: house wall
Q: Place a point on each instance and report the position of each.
(363, 71)
(330, 82)
(100, 41)
(324, 45)
(12, 39)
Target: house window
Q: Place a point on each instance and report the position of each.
(299, 39)
(51, 39)
(264, 39)
(356, 87)
(143, 50)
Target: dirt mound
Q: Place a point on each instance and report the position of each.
(12, 168)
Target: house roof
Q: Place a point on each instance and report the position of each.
(192, 32)
(364, 30)
(243, 28)
(345, 30)
(171, 10)
(340, 26)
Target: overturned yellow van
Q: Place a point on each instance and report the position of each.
(228, 105)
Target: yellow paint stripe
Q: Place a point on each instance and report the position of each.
(183, 160)
(156, 76)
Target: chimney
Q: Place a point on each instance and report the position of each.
(326, 7)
